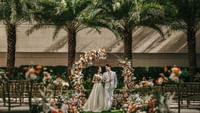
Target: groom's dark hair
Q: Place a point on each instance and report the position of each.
(108, 65)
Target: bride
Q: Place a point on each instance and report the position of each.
(96, 101)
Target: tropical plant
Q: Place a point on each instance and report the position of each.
(63, 14)
(13, 13)
(123, 17)
(186, 17)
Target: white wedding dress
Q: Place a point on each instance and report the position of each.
(96, 101)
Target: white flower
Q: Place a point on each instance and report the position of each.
(65, 84)
(33, 76)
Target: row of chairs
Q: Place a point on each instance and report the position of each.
(22, 91)
(19, 92)
(188, 91)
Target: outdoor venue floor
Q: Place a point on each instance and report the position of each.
(194, 108)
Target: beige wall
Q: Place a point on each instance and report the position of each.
(148, 47)
(144, 41)
(140, 59)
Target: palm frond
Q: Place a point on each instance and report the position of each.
(186, 13)
(57, 30)
(15, 11)
(36, 27)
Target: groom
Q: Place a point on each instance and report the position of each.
(110, 79)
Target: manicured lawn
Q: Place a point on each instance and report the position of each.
(113, 111)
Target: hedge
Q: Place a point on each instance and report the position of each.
(139, 72)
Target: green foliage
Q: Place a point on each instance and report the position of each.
(63, 14)
(148, 72)
(124, 16)
(140, 72)
(15, 11)
(154, 72)
(198, 70)
(184, 14)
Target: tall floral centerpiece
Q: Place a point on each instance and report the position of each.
(128, 75)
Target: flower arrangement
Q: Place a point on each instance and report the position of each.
(76, 73)
(176, 72)
(71, 102)
(143, 97)
(127, 73)
(3, 76)
(136, 96)
(33, 72)
(148, 101)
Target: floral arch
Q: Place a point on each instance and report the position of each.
(143, 99)
(87, 58)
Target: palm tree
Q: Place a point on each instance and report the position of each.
(13, 13)
(122, 17)
(63, 14)
(186, 17)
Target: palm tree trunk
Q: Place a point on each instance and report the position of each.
(11, 48)
(191, 41)
(128, 46)
(71, 49)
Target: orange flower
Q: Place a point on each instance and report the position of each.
(32, 70)
(39, 67)
(176, 70)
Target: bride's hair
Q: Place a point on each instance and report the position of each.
(97, 69)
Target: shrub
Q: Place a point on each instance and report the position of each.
(153, 72)
(140, 72)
